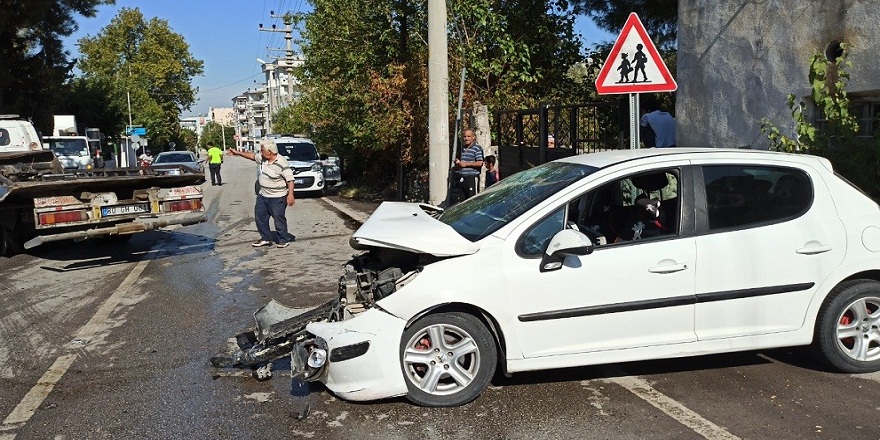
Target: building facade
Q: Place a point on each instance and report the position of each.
(739, 60)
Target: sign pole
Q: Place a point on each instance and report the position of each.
(633, 121)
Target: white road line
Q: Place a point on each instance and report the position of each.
(673, 409)
(25, 409)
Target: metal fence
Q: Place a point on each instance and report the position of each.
(521, 135)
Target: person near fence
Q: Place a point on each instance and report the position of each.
(469, 165)
(551, 141)
(491, 172)
(662, 123)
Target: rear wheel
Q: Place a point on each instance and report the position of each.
(447, 359)
(848, 327)
(9, 242)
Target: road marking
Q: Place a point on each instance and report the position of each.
(28, 406)
(670, 407)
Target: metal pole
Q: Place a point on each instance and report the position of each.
(438, 102)
(633, 120)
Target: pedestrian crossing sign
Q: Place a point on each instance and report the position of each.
(634, 65)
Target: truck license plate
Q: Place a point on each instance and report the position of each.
(125, 209)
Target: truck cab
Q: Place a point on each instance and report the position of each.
(72, 151)
(17, 134)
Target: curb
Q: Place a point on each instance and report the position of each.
(357, 216)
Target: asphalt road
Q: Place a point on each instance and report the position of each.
(113, 341)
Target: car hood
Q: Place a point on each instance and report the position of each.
(300, 164)
(406, 226)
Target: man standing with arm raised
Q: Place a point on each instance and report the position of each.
(275, 194)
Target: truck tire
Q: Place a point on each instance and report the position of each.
(9, 243)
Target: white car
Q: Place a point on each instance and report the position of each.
(308, 170)
(599, 258)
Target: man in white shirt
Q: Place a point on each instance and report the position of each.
(661, 122)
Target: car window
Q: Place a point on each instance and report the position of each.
(4, 137)
(299, 151)
(739, 196)
(174, 157)
(506, 200)
(638, 207)
(69, 147)
(536, 240)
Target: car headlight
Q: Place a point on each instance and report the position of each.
(316, 167)
(317, 358)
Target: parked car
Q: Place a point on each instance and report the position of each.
(602, 258)
(174, 159)
(308, 170)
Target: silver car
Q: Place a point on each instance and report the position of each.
(175, 159)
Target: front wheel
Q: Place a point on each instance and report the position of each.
(848, 327)
(447, 359)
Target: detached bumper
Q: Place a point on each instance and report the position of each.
(137, 225)
(363, 361)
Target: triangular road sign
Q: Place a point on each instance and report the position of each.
(634, 65)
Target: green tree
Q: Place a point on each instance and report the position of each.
(660, 17)
(148, 62)
(365, 71)
(215, 133)
(34, 64)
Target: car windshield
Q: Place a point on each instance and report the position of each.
(69, 147)
(173, 157)
(506, 200)
(299, 151)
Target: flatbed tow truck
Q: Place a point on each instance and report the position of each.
(41, 203)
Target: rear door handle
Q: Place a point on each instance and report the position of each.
(814, 247)
(668, 266)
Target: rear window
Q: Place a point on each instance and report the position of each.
(174, 157)
(739, 196)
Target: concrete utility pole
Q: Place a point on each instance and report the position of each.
(438, 103)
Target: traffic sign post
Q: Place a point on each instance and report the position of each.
(634, 66)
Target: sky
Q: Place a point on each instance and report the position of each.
(225, 35)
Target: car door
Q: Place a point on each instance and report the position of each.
(768, 235)
(627, 294)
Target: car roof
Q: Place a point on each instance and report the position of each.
(292, 140)
(604, 159)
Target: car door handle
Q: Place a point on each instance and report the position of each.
(668, 266)
(814, 247)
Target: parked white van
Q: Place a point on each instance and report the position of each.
(18, 135)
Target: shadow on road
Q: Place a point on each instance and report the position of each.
(151, 245)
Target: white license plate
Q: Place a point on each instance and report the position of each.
(125, 209)
(299, 181)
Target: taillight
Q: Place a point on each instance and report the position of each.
(54, 218)
(182, 205)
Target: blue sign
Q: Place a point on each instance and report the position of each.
(140, 131)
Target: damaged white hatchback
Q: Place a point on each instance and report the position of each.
(593, 259)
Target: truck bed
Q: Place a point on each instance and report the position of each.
(121, 181)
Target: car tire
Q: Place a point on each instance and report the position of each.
(847, 334)
(454, 371)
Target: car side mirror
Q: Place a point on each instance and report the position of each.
(567, 242)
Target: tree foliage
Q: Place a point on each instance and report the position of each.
(837, 138)
(148, 62)
(660, 17)
(34, 64)
(216, 133)
(364, 76)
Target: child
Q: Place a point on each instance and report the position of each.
(491, 173)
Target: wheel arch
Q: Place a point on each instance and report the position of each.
(485, 317)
